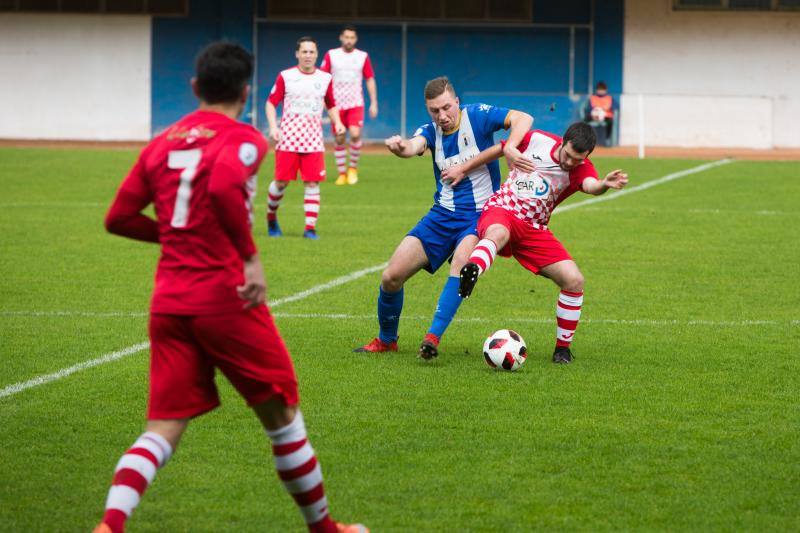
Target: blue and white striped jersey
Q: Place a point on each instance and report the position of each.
(475, 133)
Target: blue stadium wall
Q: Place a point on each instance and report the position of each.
(526, 68)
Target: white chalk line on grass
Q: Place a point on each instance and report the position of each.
(613, 195)
(136, 348)
(524, 320)
(17, 387)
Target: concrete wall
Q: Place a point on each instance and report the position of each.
(74, 77)
(722, 79)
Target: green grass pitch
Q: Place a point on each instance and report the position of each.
(680, 411)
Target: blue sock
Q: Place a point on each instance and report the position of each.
(390, 305)
(446, 309)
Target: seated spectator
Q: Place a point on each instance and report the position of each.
(599, 113)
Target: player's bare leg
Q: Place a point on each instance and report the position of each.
(569, 278)
(449, 299)
(355, 154)
(482, 257)
(275, 196)
(340, 155)
(136, 470)
(408, 259)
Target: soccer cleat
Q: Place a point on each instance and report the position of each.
(467, 279)
(311, 234)
(429, 347)
(273, 229)
(376, 345)
(351, 528)
(562, 355)
(102, 527)
(352, 176)
(342, 179)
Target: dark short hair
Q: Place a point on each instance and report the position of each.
(349, 27)
(437, 87)
(582, 137)
(601, 85)
(223, 70)
(305, 39)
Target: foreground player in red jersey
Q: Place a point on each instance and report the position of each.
(514, 220)
(208, 310)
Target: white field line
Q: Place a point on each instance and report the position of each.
(130, 350)
(551, 320)
(13, 389)
(613, 195)
(524, 320)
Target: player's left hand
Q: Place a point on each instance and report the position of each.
(517, 160)
(340, 129)
(616, 179)
(254, 290)
(452, 176)
(373, 110)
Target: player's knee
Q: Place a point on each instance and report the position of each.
(355, 137)
(281, 184)
(391, 281)
(573, 282)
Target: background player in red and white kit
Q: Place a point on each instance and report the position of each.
(208, 309)
(514, 220)
(350, 67)
(304, 90)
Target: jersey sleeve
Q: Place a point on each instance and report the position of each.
(278, 91)
(488, 118)
(326, 63)
(330, 101)
(125, 216)
(367, 71)
(228, 190)
(426, 131)
(580, 173)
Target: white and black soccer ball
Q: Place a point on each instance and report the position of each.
(505, 349)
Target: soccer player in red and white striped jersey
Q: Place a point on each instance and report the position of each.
(208, 308)
(514, 220)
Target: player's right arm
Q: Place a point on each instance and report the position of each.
(275, 98)
(453, 175)
(125, 216)
(406, 147)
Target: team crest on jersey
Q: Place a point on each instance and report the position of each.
(248, 153)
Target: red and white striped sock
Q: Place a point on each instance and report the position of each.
(133, 474)
(311, 205)
(483, 255)
(568, 312)
(340, 153)
(275, 196)
(355, 154)
(301, 474)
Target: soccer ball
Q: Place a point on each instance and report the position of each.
(598, 114)
(505, 349)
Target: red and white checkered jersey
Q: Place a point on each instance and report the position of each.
(532, 196)
(304, 97)
(349, 70)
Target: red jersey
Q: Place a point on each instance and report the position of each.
(200, 174)
(532, 196)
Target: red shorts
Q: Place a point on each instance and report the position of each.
(351, 117)
(311, 166)
(533, 248)
(185, 351)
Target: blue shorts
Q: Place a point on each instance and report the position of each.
(440, 232)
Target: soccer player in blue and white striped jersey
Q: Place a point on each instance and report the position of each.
(456, 134)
